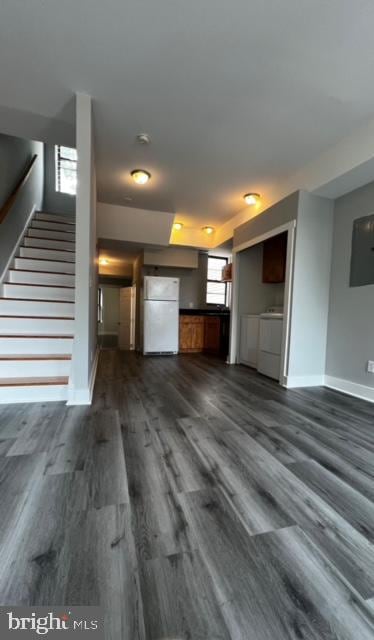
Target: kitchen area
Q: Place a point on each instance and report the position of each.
(202, 300)
(184, 303)
(204, 331)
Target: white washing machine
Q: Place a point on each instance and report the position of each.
(270, 344)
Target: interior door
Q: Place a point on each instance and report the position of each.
(125, 324)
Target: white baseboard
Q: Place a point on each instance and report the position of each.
(84, 396)
(293, 382)
(44, 393)
(351, 388)
(20, 238)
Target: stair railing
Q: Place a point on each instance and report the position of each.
(9, 202)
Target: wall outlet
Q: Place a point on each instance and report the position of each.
(370, 366)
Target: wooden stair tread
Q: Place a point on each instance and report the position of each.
(48, 228)
(38, 317)
(37, 300)
(55, 273)
(49, 239)
(22, 246)
(35, 284)
(44, 259)
(36, 336)
(52, 221)
(35, 356)
(33, 382)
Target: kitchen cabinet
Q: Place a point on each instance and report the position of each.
(199, 333)
(249, 334)
(212, 334)
(191, 334)
(274, 259)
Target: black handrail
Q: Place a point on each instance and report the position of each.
(13, 196)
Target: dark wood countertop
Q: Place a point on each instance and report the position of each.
(205, 312)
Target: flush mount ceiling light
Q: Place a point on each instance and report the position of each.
(143, 138)
(140, 176)
(208, 230)
(251, 198)
(178, 226)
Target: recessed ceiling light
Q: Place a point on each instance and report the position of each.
(178, 226)
(251, 198)
(140, 176)
(208, 230)
(143, 138)
(103, 261)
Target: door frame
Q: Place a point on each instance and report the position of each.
(290, 228)
(133, 318)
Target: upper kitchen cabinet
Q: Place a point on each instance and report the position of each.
(274, 259)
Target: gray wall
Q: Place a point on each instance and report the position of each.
(256, 296)
(15, 153)
(280, 213)
(351, 314)
(54, 202)
(192, 282)
(310, 296)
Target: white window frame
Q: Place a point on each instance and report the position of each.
(58, 158)
(224, 262)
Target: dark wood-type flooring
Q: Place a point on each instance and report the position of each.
(193, 501)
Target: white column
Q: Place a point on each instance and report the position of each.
(85, 339)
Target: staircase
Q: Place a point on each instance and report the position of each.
(37, 313)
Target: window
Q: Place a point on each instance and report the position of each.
(66, 170)
(216, 291)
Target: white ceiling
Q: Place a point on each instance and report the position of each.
(235, 95)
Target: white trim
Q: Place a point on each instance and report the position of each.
(268, 234)
(287, 302)
(351, 388)
(43, 393)
(84, 396)
(290, 228)
(293, 382)
(20, 238)
(235, 319)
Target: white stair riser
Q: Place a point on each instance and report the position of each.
(50, 234)
(55, 217)
(36, 308)
(53, 226)
(47, 254)
(38, 326)
(49, 393)
(40, 346)
(41, 278)
(47, 243)
(44, 265)
(34, 368)
(39, 293)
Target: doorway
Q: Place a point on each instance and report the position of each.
(269, 321)
(127, 318)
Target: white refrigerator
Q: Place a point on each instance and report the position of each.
(161, 315)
